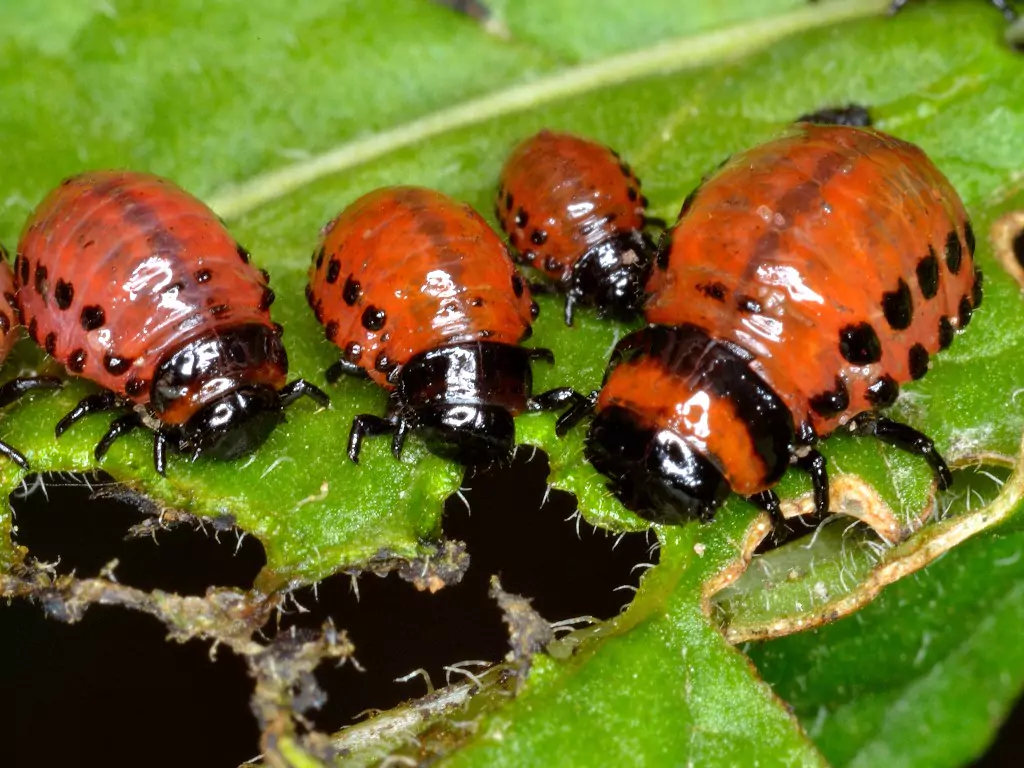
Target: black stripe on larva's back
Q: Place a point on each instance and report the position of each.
(797, 201)
(928, 274)
(689, 353)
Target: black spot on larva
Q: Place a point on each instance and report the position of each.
(278, 329)
(644, 202)
(509, 202)
(626, 170)
(517, 285)
(534, 310)
(309, 295)
(40, 282)
(632, 194)
(977, 293)
(898, 306)
(92, 317)
(917, 360)
(333, 271)
(266, 299)
(353, 351)
(714, 291)
(539, 237)
(551, 264)
(859, 344)
(954, 251)
(664, 250)
(521, 218)
(351, 291)
(202, 275)
(527, 334)
(529, 256)
(63, 294)
(383, 363)
(5, 323)
(373, 318)
(24, 268)
(497, 213)
(320, 257)
(748, 304)
(476, 301)
(219, 309)
(115, 364)
(331, 330)
(265, 275)
(969, 238)
(832, 402)
(242, 253)
(177, 287)
(33, 330)
(76, 361)
(318, 310)
(945, 332)
(135, 386)
(50, 345)
(965, 312)
(928, 274)
(883, 392)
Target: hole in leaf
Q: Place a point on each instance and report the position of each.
(56, 520)
(113, 686)
(535, 550)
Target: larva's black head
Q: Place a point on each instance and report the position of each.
(613, 274)
(470, 434)
(654, 472)
(234, 424)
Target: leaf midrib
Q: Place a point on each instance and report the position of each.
(666, 57)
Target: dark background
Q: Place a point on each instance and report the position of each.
(110, 689)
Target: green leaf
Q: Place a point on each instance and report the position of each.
(281, 114)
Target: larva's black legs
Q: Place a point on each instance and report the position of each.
(16, 388)
(301, 388)
(344, 368)
(570, 309)
(543, 354)
(814, 464)
(555, 399)
(119, 427)
(13, 390)
(88, 405)
(367, 425)
(907, 439)
(13, 454)
(769, 502)
(581, 407)
(782, 531)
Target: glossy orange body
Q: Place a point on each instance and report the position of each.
(404, 270)
(560, 195)
(8, 313)
(822, 269)
(801, 237)
(117, 270)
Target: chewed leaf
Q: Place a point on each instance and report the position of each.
(324, 101)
